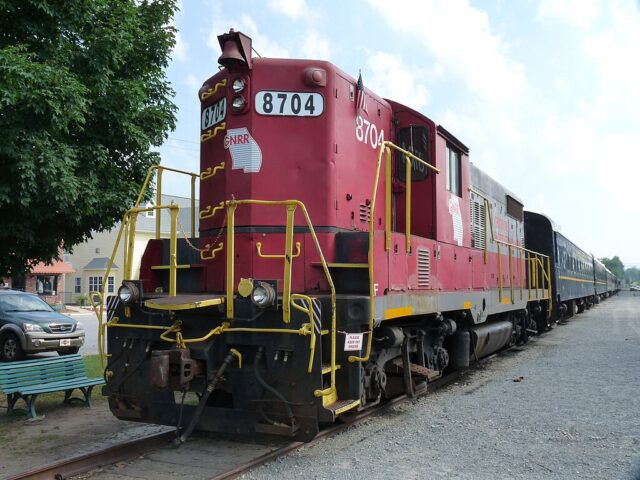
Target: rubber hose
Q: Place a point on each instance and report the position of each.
(292, 418)
(203, 400)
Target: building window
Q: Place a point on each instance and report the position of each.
(95, 284)
(111, 285)
(150, 213)
(46, 284)
(77, 286)
(453, 171)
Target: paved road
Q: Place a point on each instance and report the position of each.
(90, 323)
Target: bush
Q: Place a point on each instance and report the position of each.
(82, 300)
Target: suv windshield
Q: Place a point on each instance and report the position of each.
(23, 303)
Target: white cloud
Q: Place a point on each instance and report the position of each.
(459, 37)
(179, 51)
(392, 79)
(579, 13)
(192, 82)
(263, 44)
(294, 9)
(316, 46)
(613, 51)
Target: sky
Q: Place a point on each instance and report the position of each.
(545, 93)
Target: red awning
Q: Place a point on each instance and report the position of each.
(56, 268)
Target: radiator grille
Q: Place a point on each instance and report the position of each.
(478, 224)
(61, 327)
(424, 267)
(365, 212)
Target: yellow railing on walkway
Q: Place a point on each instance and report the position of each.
(128, 228)
(538, 265)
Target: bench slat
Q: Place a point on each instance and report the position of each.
(40, 361)
(49, 372)
(62, 386)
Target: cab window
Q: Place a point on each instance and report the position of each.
(453, 171)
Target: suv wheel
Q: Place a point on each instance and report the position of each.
(10, 347)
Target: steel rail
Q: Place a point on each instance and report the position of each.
(88, 461)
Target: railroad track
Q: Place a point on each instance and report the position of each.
(151, 444)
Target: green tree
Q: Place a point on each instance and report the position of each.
(615, 265)
(632, 274)
(83, 98)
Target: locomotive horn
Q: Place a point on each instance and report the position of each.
(236, 50)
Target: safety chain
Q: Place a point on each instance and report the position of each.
(184, 235)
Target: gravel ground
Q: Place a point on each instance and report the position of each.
(573, 414)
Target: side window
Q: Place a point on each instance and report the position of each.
(413, 139)
(77, 286)
(453, 171)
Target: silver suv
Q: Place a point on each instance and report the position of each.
(30, 325)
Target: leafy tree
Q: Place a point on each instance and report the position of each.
(83, 97)
(615, 265)
(632, 274)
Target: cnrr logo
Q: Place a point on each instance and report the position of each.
(244, 150)
(236, 139)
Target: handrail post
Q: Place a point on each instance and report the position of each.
(537, 274)
(407, 203)
(131, 237)
(173, 249)
(158, 202)
(288, 252)
(511, 272)
(549, 289)
(388, 180)
(499, 273)
(521, 272)
(193, 206)
(231, 212)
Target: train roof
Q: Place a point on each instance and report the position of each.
(488, 185)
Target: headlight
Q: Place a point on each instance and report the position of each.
(128, 293)
(79, 326)
(238, 103)
(31, 327)
(238, 85)
(263, 295)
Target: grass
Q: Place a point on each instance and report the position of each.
(47, 401)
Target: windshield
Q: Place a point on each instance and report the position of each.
(23, 303)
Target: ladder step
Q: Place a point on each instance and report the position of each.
(420, 371)
(341, 406)
(167, 267)
(341, 265)
(326, 368)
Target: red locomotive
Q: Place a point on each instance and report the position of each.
(347, 252)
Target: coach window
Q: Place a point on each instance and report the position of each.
(413, 139)
(453, 171)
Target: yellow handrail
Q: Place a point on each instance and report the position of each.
(308, 310)
(264, 255)
(385, 147)
(127, 226)
(291, 206)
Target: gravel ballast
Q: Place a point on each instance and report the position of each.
(565, 406)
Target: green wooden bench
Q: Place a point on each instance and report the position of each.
(30, 378)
